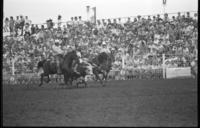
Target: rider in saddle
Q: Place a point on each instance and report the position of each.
(57, 52)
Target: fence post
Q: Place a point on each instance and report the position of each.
(13, 66)
(123, 61)
(163, 65)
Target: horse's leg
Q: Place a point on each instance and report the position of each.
(48, 79)
(85, 83)
(60, 80)
(85, 79)
(95, 78)
(104, 78)
(65, 78)
(70, 81)
(41, 79)
(105, 74)
(56, 78)
(98, 78)
(77, 83)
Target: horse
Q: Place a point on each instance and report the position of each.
(102, 64)
(69, 60)
(66, 65)
(48, 68)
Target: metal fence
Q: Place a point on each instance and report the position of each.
(136, 67)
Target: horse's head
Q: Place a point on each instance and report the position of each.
(69, 59)
(74, 56)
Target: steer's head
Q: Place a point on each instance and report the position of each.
(87, 68)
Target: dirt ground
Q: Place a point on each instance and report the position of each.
(121, 103)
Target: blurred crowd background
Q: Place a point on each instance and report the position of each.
(137, 42)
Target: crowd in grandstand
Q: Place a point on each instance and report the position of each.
(138, 43)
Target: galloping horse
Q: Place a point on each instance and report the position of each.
(102, 65)
(66, 65)
(48, 68)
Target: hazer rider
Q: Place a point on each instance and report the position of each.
(57, 52)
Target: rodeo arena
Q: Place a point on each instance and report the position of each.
(129, 71)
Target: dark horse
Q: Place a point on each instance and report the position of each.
(102, 65)
(65, 65)
(83, 68)
(48, 68)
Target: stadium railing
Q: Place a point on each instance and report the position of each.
(161, 67)
(153, 67)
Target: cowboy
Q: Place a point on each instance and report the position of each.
(22, 23)
(104, 48)
(57, 53)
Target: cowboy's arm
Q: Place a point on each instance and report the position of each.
(57, 49)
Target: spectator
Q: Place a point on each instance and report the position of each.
(11, 25)
(37, 28)
(166, 18)
(143, 37)
(75, 21)
(49, 23)
(27, 30)
(6, 25)
(33, 30)
(27, 21)
(17, 25)
(72, 21)
(178, 18)
(80, 20)
(59, 21)
(22, 23)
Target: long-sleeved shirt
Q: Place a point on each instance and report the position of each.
(57, 49)
(106, 50)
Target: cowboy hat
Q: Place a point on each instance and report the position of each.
(104, 43)
(56, 41)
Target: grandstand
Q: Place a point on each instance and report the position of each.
(145, 46)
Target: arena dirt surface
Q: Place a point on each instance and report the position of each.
(121, 103)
